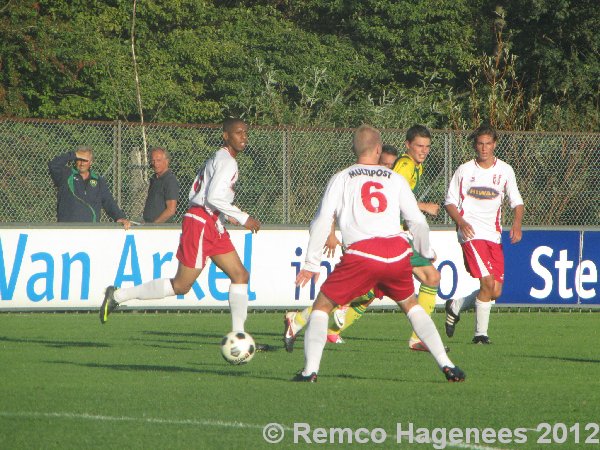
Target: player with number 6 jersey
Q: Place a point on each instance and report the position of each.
(373, 197)
(368, 202)
(410, 166)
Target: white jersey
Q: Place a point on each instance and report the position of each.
(478, 194)
(213, 186)
(367, 201)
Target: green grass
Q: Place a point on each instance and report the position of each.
(158, 381)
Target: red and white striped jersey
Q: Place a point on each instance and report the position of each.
(367, 201)
(478, 194)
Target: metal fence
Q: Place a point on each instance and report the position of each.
(284, 170)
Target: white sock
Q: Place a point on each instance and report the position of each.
(466, 302)
(314, 341)
(482, 317)
(151, 290)
(238, 305)
(428, 333)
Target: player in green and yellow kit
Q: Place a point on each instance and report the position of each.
(410, 166)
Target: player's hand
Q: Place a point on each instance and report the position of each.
(79, 156)
(466, 229)
(430, 208)
(252, 224)
(304, 276)
(126, 223)
(515, 234)
(330, 244)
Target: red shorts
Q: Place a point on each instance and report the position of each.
(200, 239)
(382, 264)
(483, 258)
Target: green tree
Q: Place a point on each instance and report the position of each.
(558, 45)
(405, 41)
(316, 62)
(557, 52)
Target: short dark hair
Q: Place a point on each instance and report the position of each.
(417, 131)
(389, 149)
(484, 130)
(230, 122)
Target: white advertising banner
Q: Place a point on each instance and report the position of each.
(59, 268)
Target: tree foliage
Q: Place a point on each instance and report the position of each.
(316, 62)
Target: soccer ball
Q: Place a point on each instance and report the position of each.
(238, 347)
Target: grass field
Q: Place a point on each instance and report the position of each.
(158, 381)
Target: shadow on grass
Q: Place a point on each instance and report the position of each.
(561, 358)
(216, 337)
(231, 372)
(170, 341)
(393, 380)
(167, 347)
(234, 371)
(393, 338)
(206, 338)
(55, 344)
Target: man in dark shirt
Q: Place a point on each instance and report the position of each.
(81, 192)
(163, 192)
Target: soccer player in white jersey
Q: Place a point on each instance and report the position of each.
(474, 202)
(203, 235)
(368, 201)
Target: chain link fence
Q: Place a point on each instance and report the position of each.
(284, 171)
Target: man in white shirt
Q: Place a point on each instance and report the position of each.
(203, 235)
(474, 202)
(368, 201)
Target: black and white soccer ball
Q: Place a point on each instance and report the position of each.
(238, 347)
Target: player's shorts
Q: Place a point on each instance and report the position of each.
(382, 263)
(200, 239)
(483, 258)
(417, 260)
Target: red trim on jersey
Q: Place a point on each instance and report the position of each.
(497, 221)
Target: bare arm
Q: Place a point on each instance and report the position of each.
(331, 243)
(465, 227)
(169, 211)
(430, 208)
(515, 232)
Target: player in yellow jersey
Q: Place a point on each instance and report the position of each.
(410, 166)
